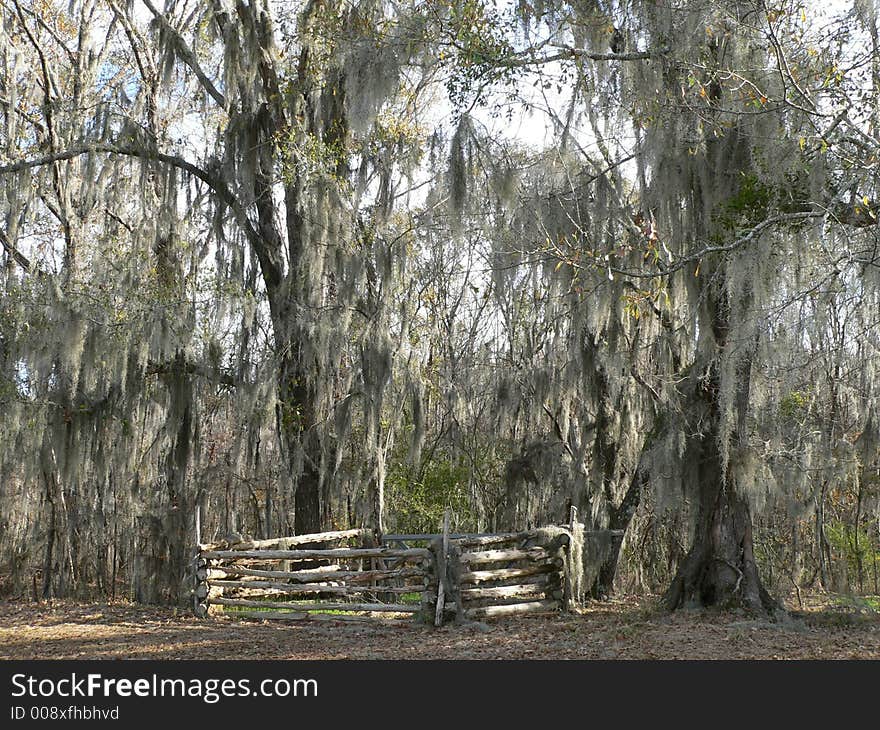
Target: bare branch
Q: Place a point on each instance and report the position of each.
(186, 55)
(645, 384)
(573, 54)
(17, 255)
(725, 248)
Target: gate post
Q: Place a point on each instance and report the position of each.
(573, 590)
(200, 592)
(440, 548)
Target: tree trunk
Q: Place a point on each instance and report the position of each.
(720, 568)
(296, 423)
(49, 478)
(46, 590)
(307, 503)
(619, 519)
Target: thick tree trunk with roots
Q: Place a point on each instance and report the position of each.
(720, 568)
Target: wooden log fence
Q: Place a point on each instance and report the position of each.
(511, 573)
(357, 575)
(323, 576)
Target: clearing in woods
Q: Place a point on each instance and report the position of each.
(631, 628)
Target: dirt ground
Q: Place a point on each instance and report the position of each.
(621, 629)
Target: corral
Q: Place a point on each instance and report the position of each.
(357, 574)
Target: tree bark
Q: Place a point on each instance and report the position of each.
(307, 503)
(720, 568)
(296, 423)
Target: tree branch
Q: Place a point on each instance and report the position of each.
(558, 430)
(645, 384)
(17, 255)
(217, 185)
(186, 54)
(266, 253)
(191, 368)
(725, 248)
(572, 54)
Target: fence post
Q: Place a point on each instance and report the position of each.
(574, 566)
(441, 547)
(200, 592)
(200, 568)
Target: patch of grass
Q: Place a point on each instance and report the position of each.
(861, 604)
(842, 611)
(628, 631)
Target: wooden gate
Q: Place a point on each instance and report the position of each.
(486, 576)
